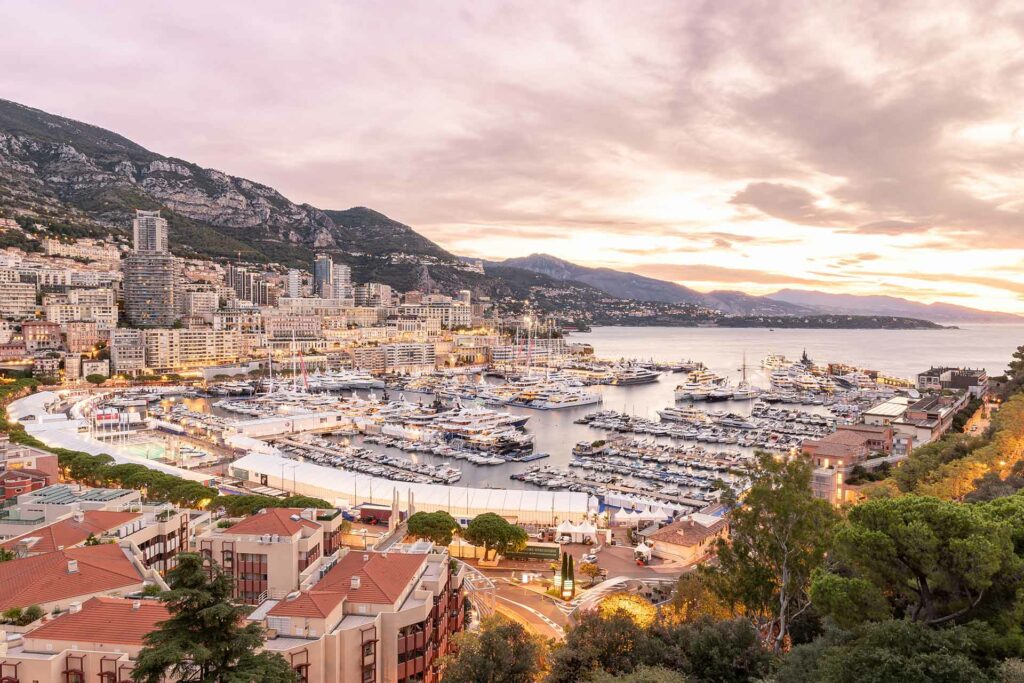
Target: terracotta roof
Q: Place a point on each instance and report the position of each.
(23, 471)
(272, 521)
(105, 620)
(383, 578)
(687, 532)
(45, 578)
(69, 532)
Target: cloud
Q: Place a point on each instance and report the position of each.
(892, 227)
(788, 202)
(729, 126)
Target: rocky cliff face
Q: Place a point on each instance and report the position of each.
(53, 164)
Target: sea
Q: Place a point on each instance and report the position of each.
(901, 353)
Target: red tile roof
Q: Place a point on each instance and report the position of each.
(272, 521)
(687, 532)
(69, 532)
(105, 620)
(45, 578)
(383, 578)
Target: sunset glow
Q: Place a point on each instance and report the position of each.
(720, 145)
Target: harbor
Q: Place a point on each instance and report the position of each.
(626, 434)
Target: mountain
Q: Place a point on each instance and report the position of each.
(75, 172)
(641, 288)
(75, 180)
(889, 305)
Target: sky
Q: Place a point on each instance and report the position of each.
(864, 148)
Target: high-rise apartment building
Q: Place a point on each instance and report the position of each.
(151, 274)
(150, 232)
(323, 275)
(341, 282)
(247, 285)
(150, 289)
(294, 283)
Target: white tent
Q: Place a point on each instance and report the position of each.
(585, 530)
(621, 516)
(643, 550)
(566, 528)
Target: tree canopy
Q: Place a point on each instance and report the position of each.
(932, 560)
(203, 640)
(501, 651)
(778, 537)
(439, 527)
(495, 534)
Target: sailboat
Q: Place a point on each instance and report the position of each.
(743, 391)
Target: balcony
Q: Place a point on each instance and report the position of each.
(412, 667)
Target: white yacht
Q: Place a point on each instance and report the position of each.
(673, 414)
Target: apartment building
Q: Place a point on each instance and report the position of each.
(452, 314)
(41, 335)
(971, 380)
(151, 288)
(927, 420)
(534, 350)
(834, 457)
(73, 531)
(85, 249)
(105, 317)
(272, 553)
(37, 508)
(149, 232)
(201, 302)
(154, 534)
(127, 351)
(17, 299)
(62, 578)
(409, 358)
(373, 616)
(167, 350)
(24, 469)
(96, 640)
(80, 336)
(247, 320)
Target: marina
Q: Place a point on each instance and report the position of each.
(470, 428)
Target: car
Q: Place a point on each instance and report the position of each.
(589, 558)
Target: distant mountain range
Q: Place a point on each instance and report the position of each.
(889, 305)
(641, 288)
(785, 302)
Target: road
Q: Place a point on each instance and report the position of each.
(531, 609)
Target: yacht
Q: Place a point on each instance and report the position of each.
(745, 392)
(673, 414)
(704, 376)
(634, 375)
(701, 393)
(336, 380)
(693, 391)
(720, 393)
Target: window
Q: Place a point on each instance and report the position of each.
(368, 649)
(279, 624)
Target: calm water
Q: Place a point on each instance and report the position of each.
(901, 353)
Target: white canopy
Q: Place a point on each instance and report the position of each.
(566, 528)
(643, 549)
(530, 507)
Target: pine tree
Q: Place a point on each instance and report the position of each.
(204, 640)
